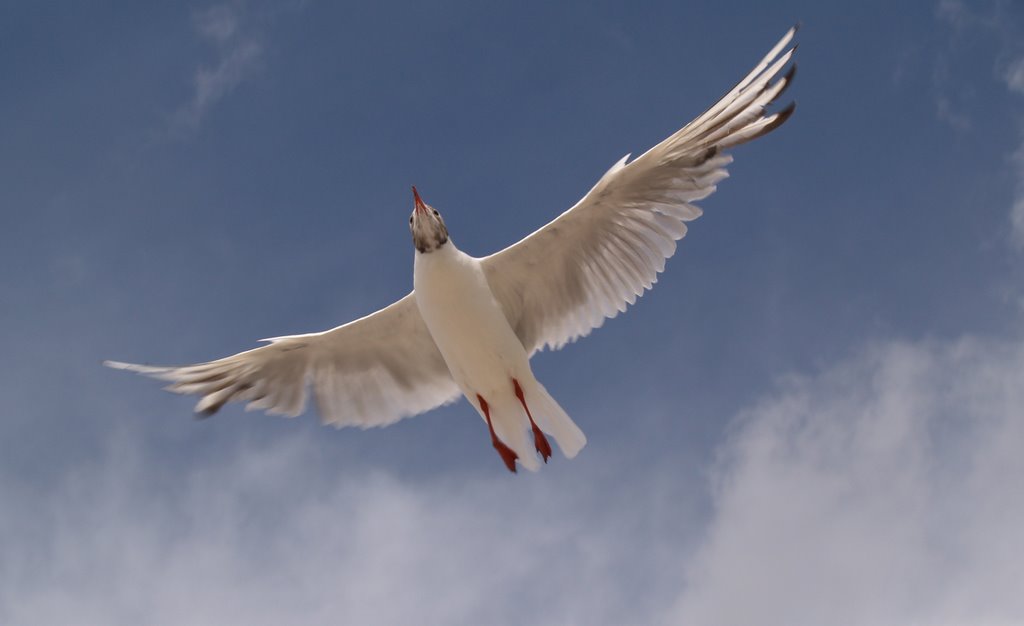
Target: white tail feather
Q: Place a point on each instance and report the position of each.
(512, 426)
(553, 419)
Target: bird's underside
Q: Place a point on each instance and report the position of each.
(552, 287)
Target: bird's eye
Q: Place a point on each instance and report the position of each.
(436, 214)
(410, 219)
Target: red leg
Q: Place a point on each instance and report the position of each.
(507, 455)
(539, 440)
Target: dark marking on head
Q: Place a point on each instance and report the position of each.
(429, 242)
(428, 231)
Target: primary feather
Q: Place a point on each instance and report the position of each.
(370, 372)
(594, 260)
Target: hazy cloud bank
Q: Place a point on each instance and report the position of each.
(883, 490)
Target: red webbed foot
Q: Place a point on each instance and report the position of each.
(539, 440)
(541, 443)
(507, 454)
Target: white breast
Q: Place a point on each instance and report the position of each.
(466, 322)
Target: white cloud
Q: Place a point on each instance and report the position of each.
(959, 15)
(217, 23)
(238, 50)
(884, 491)
(998, 24)
(1017, 219)
(953, 12)
(946, 112)
(1017, 209)
(1015, 82)
(273, 536)
(1015, 76)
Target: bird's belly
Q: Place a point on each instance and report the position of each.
(471, 332)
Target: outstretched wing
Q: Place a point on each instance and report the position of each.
(370, 372)
(594, 260)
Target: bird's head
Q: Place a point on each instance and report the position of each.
(428, 230)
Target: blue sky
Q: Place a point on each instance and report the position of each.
(809, 419)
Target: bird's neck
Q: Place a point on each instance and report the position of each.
(445, 247)
(442, 255)
(438, 262)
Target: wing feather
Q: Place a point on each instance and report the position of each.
(370, 372)
(597, 258)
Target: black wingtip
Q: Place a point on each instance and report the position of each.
(799, 24)
(209, 412)
(781, 117)
(789, 75)
(710, 153)
(787, 80)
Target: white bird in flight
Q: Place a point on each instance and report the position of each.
(470, 325)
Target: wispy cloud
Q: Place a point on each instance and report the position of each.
(1017, 209)
(238, 49)
(993, 20)
(883, 491)
(946, 112)
(952, 11)
(1015, 76)
(272, 536)
(947, 91)
(991, 15)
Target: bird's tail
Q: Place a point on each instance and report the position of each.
(511, 425)
(554, 420)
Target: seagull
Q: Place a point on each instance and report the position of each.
(470, 325)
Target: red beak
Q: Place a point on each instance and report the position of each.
(420, 207)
